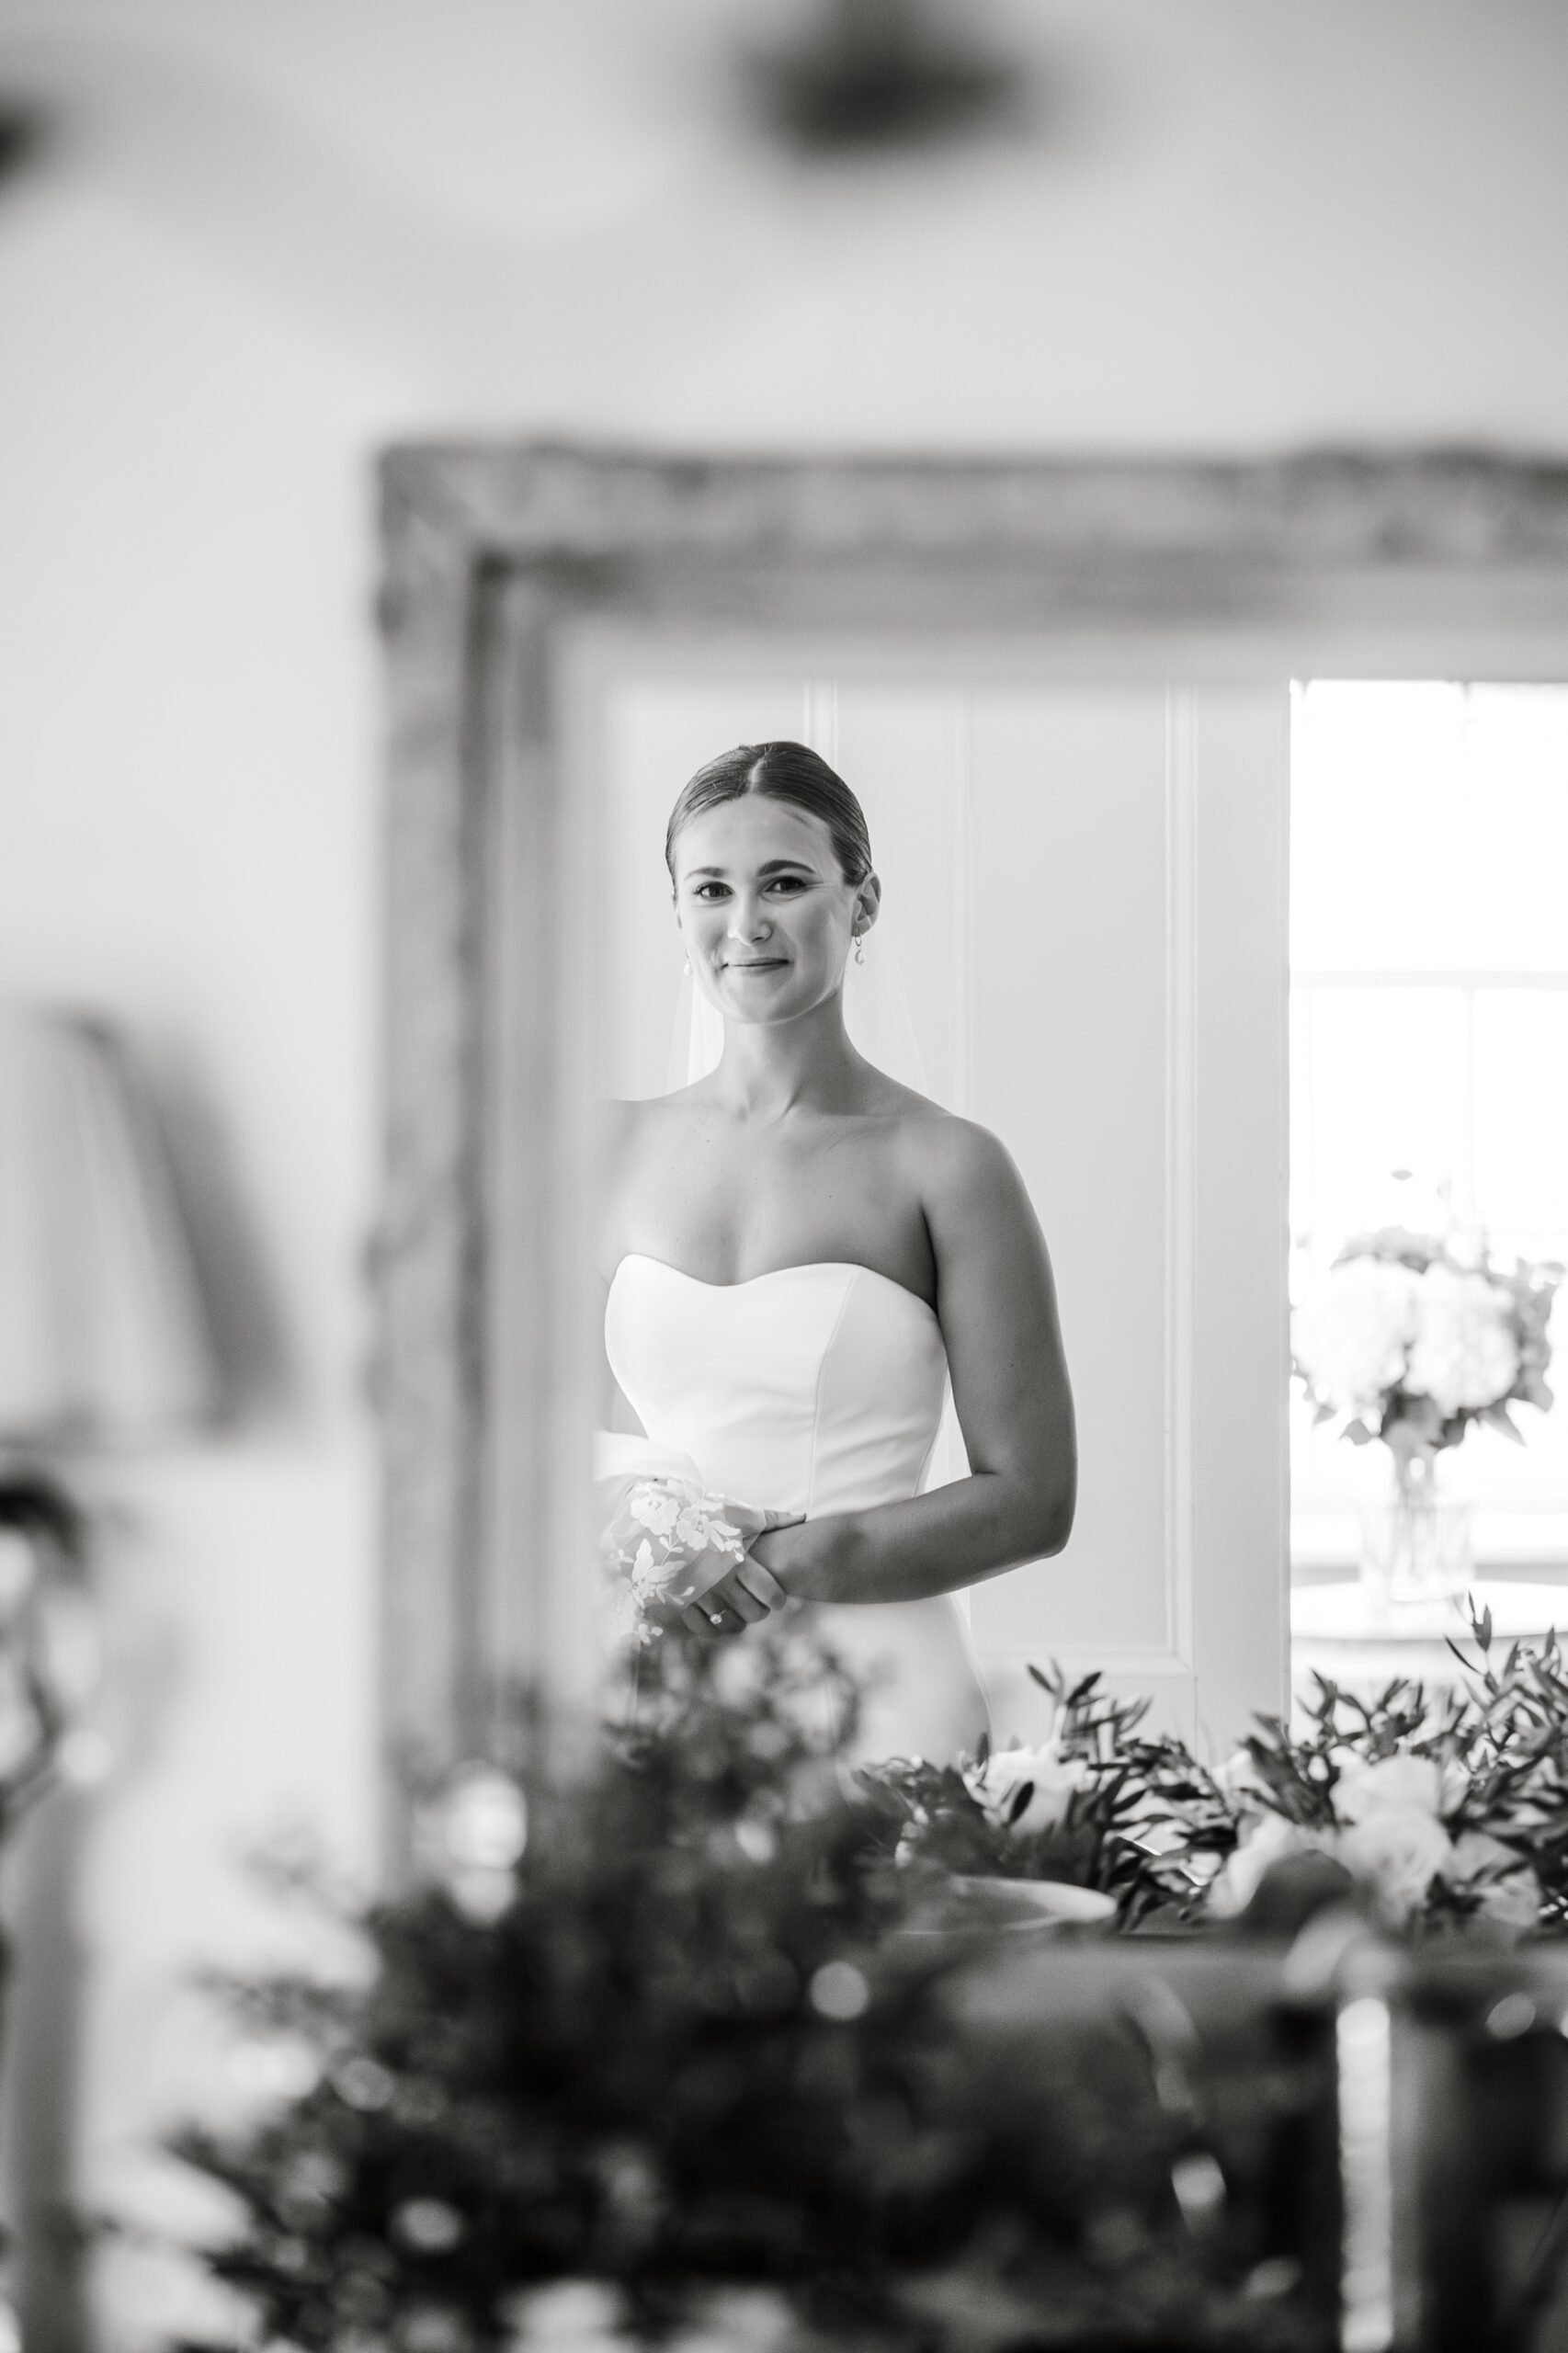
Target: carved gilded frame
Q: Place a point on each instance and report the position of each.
(1447, 562)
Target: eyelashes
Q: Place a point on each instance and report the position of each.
(793, 884)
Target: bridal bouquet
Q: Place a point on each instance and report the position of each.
(666, 1541)
(1410, 1337)
(668, 1538)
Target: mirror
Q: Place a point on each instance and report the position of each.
(1072, 681)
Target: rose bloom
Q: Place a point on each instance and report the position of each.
(1350, 1336)
(1055, 1780)
(1273, 1839)
(1363, 1788)
(1464, 1355)
(1395, 1851)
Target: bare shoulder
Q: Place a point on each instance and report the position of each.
(955, 1161)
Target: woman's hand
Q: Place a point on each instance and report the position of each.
(807, 1557)
(709, 1594)
(738, 1600)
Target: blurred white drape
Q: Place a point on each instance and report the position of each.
(102, 1332)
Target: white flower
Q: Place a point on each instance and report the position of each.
(651, 1578)
(1465, 1354)
(653, 1504)
(701, 1528)
(1241, 1781)
(584, 2315)
(1054, 1780)
(1350, 1338)
(1395, 1851)
(1404, 1782)
(1506, 1889)
(1268, 1842)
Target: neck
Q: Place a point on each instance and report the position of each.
(769, 1069)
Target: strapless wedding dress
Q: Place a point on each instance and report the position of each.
(813, 1389)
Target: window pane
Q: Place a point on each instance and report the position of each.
(1387, 1076)
(1521, 1108)
(1516, 889)
(1429, 837)
(1380, 846)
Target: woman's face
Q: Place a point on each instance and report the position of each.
(763, 908)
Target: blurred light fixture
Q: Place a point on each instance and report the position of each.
(103, 1336)
(882, 73)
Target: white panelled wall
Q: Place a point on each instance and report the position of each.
(1087, 888)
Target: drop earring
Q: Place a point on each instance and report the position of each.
(860, 950)
(687, 967)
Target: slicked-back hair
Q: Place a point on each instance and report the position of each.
(783, 771)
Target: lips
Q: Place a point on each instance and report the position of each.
(754, 964)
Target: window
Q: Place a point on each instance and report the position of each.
(1429, 1038)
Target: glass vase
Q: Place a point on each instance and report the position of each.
(1418, 1545)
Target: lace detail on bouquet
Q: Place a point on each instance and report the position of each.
(667, 1540)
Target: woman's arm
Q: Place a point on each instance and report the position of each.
(997, 1303)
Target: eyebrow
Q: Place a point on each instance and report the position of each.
(773, 866)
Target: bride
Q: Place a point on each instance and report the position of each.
(799, 1252)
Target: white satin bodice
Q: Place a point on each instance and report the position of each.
(816, 1389)
(813, 1389)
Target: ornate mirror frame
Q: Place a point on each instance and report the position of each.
(1448, 563)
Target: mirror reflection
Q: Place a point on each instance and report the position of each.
(904, 1172)
(803, 1257)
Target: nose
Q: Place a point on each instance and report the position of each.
(747, 921)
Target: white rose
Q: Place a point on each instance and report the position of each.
(1350, 1336)
(1506, 1888)
(1055, 1779)
(1395, 1851)
(1270, 1842)
(1404, 1782)
(1464, 1354)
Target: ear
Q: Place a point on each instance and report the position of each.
(868, 899)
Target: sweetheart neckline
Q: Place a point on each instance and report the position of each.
(804, 1267)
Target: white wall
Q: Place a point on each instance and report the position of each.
(272, 235)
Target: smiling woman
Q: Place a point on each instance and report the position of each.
(898, 1248)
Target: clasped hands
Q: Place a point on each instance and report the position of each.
(688, 1552)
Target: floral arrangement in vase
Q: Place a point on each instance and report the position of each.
(1409, 1338)
(1089, 1809)
(1436, 1810)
